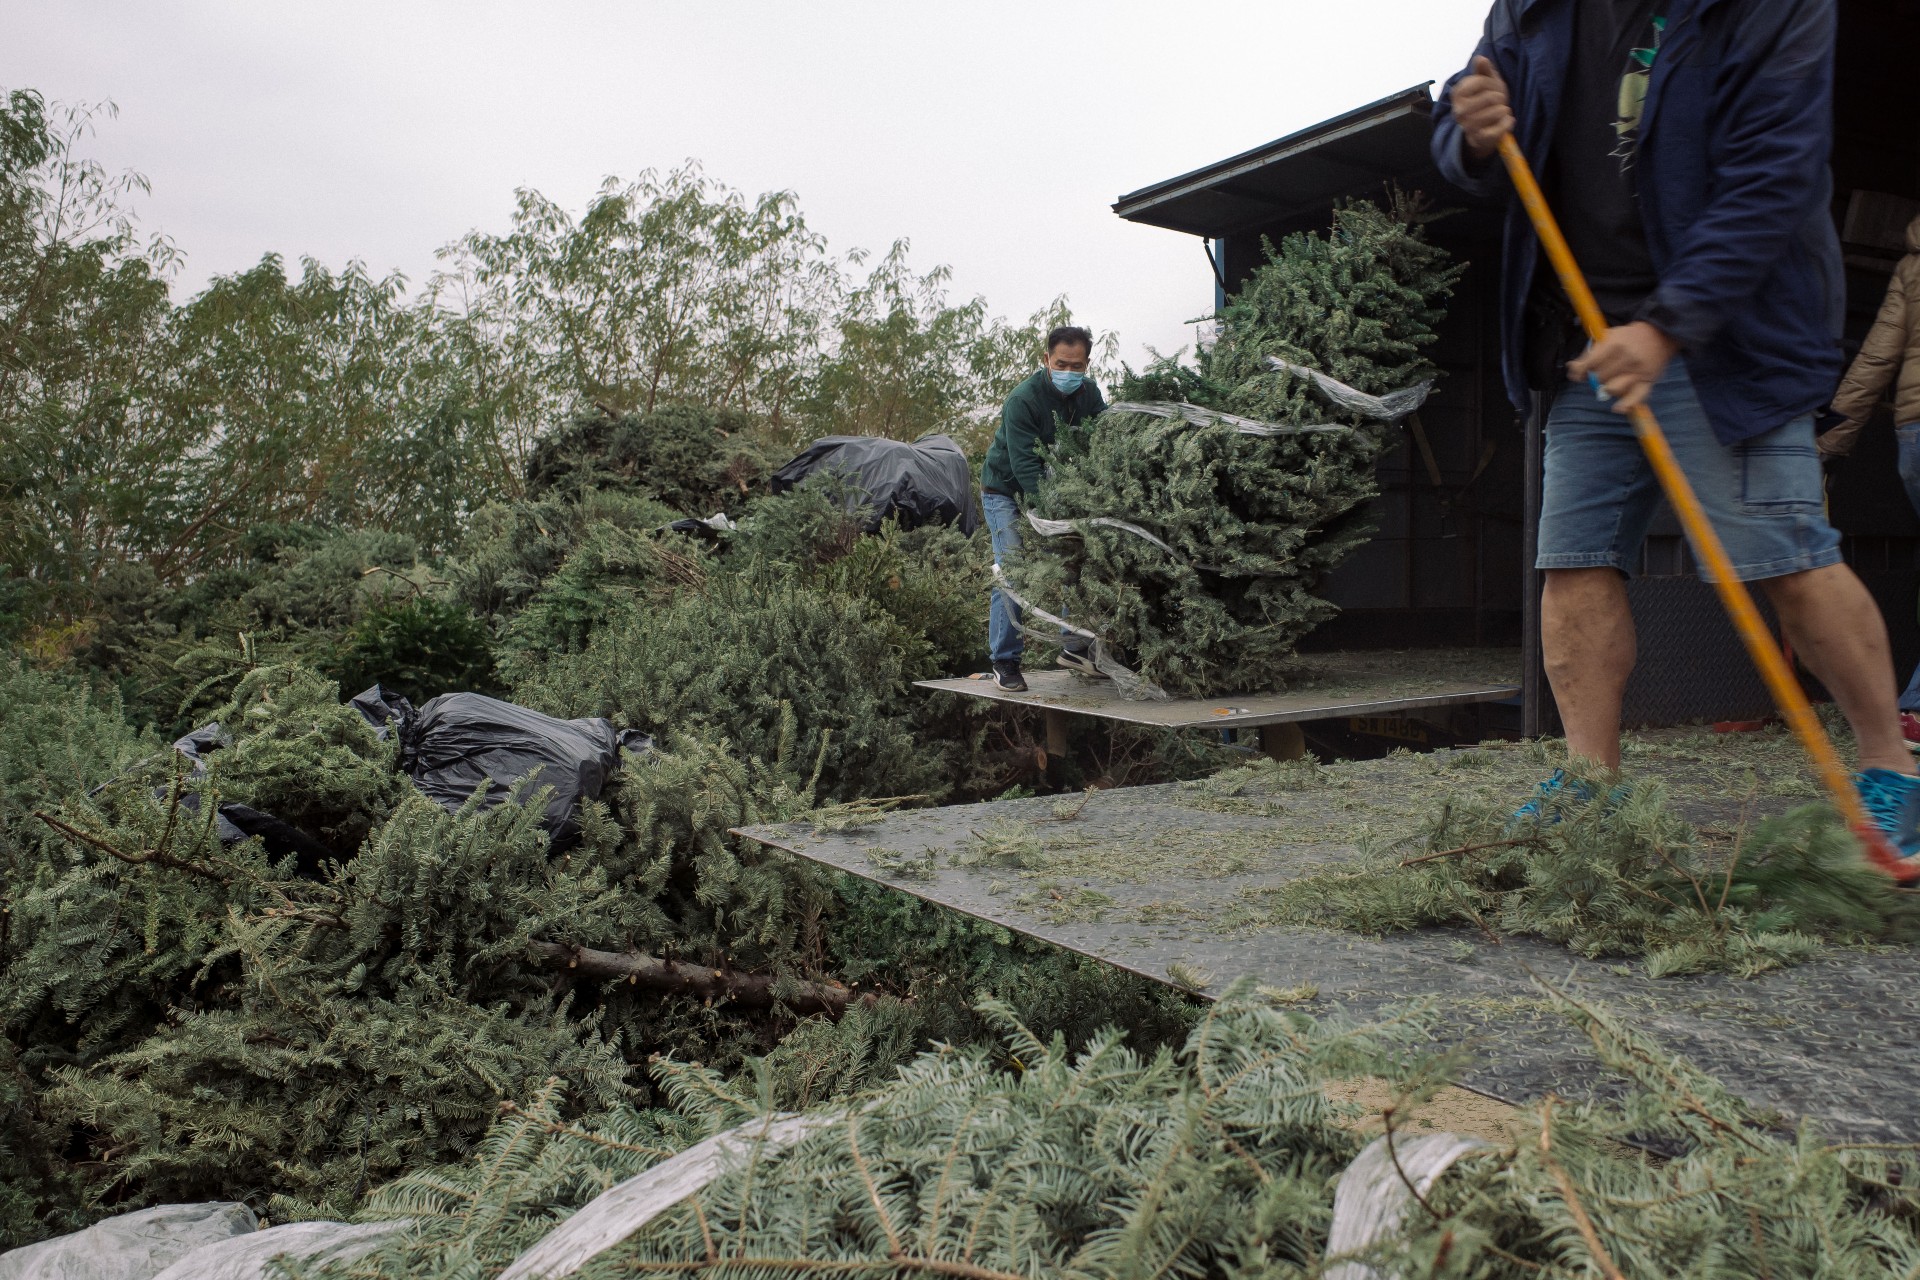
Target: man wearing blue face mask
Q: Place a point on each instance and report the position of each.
(1059, 391)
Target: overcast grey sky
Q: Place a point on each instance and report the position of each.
(993, 135)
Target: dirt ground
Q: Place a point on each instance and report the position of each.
(1452, 1110)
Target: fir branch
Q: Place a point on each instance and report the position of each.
(577, 1134)
(1386, 1121)
(1601, 1032)
(1571, 1198)
(155, 856)
(1469, 848)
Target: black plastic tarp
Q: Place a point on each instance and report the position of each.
(448, 748)
(927, 482)
(459, 741)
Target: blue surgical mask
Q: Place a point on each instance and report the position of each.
(1065, 381)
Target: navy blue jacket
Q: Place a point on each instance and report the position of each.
(1733, 187)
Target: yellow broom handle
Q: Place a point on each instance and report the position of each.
(1738, 601)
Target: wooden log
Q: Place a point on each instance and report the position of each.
(675, 977)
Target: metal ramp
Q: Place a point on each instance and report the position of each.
(1321, 686)
(1168, 881)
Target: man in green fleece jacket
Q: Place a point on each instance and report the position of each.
(1059, 391)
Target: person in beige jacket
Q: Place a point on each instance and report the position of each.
(1891, 354)
(1892, 348)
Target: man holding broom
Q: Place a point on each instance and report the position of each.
(1684, 146)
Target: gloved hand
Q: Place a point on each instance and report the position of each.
(1838, 442)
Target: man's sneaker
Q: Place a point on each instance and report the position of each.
(1561, 786)
(1893, 802)
(1910, 730)
(1080, 661)
(1559, 790)
(1006, 675)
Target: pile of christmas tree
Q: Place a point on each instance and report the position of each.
(1188, 527)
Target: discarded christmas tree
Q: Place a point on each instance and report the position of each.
(1198, 516)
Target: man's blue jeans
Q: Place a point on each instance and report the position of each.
(1909, 438)
(1004, 641)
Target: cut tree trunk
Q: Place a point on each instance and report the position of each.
(752, 990)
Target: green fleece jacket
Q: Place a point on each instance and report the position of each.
(1028, 421)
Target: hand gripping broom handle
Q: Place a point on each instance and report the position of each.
(1734, 596)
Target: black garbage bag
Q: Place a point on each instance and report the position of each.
(380, 707)
(926, 482)
(236, 822)
(459, 741)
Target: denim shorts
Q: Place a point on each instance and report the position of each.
(1764, 495)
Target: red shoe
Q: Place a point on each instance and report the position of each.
(1910, 729)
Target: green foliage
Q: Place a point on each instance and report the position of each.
(40, 1194)
(537, 1163)
(697, 461)
(355, 603)
(137, 429)
(418, 648)
(668, 289)
(1025, 1157)
(352, 1028)
(1254, 522)
(1021, 1155)
(1101, 1162)
(906, 362)
(229, 1031)
(302, 756)
(932, 581)
(512, 549)
(60, 741)
(711, 896)
(1359, 304)
(319, 579)
(612, 574)
(1621, 874)
(816, 523)
(84, 467)
(305, 1094)
(739, 657)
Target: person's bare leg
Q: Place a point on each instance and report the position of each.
(1836, 629)
(1587, 640)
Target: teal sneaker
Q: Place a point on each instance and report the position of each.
(1559, 790)
(1893, 802)
(1561, 786)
